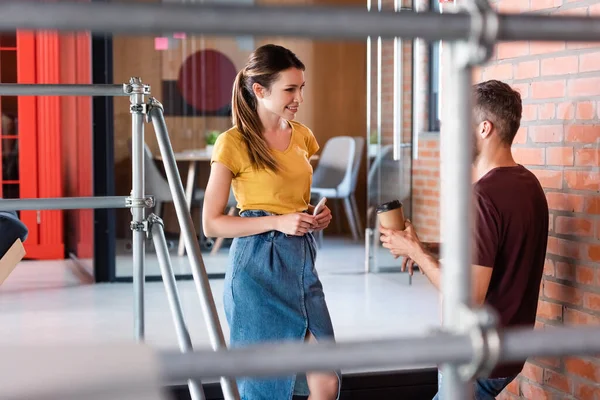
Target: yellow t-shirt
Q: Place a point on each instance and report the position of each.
(284, 192)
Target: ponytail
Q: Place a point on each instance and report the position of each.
(247, 121)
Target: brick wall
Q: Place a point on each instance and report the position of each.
(560, 142)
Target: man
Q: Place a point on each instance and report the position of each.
(510, 230)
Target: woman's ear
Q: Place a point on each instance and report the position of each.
(259, 90)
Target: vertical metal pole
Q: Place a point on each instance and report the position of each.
(166, 270)
(455, 177)
(368, 229)
(192, 246)
(398, 111)
(138, 210)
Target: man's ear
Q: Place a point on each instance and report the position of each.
(485, 129)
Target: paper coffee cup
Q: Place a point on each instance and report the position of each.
(391, 215)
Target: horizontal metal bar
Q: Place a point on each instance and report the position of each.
(300, 21)
(550, 342)
(439, 348)
(63, 203)
(283, 359)
(22, 89)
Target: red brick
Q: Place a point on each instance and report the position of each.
(512, 6)
(575, 273)
(549, 267)
(544, 4)
(593, 252)
(512, 387)
(522, 88)
(565, 111)
(499, 71)
(560, 66)
(576, 317)
(583, 87)
(548, 89)
(557, 381)
(585, 110)
(550, 311)
(589, 62)
(562, 293)
(545, 47)
(582, 180)
(521, 136)
(592, 205)
(549, 179)
(529, 112)
(532, 391)
(583, 391)
(511, 50)
(551, 362)
(594, 10)
(527, 70)
(585, 275)
(551, 223)
(546, 111)
(591, 301)
(565, 202)
(572, 11)
(546, 133)
(583, 134)
(533, 372)
(581, 45)
(528, 156)
(563, 247)
(584, 368)
(559, 156)
(587, 157)
(573, 226)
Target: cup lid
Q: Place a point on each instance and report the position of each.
(391, 205)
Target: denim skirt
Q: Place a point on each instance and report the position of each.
(273, 294)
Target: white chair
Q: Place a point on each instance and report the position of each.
(335, 176)
(157, 185)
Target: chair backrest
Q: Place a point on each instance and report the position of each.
(156, 184)
(358, 156)
(335, 165)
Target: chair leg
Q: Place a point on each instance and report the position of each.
(351, 220)
(158, 208)
(336, 215)
(219, 241)
(356, 215)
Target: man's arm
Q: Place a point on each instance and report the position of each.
(480, 275)
(406, 243)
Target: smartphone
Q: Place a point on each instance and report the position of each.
(319, 206)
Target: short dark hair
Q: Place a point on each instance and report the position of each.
(500, 104)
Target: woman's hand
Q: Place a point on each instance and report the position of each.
(296, 224)
(323, 219)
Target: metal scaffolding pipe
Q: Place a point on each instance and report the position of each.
(289, 358)
(456, 154)
(302, 21)
(284, 359)
(63, 203)
(24, 89)
(209, 309)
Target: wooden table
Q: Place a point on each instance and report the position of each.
(194, 157)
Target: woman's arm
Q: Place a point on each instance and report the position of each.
(216, 224)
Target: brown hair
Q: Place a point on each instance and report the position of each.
(263, 67)
(500, 104)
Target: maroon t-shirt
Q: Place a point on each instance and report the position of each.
(511, 235)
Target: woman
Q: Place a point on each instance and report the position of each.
(272, 291)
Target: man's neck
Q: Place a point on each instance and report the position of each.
(492, 158)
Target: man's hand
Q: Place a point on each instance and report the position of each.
(404, 243)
